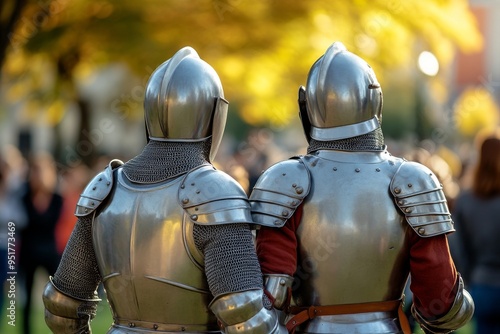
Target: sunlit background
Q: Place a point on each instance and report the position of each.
(73, 74)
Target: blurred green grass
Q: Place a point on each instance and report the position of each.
(100, 324)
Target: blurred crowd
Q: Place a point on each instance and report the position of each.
(39, 195)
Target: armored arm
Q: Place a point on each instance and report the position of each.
(460, 313)
(244, 312)
(279, 287)
(279, 191)
(420, 197)
(219, 209)
(70, 297)
(66, 314)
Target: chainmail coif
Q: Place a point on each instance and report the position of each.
(160, 161)
(372, 141)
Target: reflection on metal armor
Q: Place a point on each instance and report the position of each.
(345, 221)
(135, 235)
(348, 229)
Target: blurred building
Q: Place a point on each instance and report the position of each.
(481, 68)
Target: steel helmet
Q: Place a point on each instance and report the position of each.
(184, 101)
(342, 98)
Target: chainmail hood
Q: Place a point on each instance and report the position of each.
(160, 161)
(372, 141)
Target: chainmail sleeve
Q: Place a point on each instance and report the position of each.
(78, 274)
(231, 263)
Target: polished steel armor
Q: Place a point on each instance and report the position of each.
(252, 317)
(61, 310)
(342, 96)
(357, 205)
(127, 232)
(337, 214)
(184, 101)
(166, 232)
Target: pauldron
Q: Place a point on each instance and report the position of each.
(97, 190)
(420, 197)
(279, 192)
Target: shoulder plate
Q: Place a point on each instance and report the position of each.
(279, 191)
(212, 197)
(420, 197)
(97, 190)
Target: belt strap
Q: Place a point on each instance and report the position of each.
(303, 314)
(170, 328)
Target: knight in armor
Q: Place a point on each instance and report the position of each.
(166, 233)
(345, 225)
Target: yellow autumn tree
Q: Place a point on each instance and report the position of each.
(262, 50)
(476, 111)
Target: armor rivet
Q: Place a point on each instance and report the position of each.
(155, 326)
(421, 230)
(334, 169)
(92, 203)
(183, 186)
(391, 162)
(397, 190)
(192, 184)
(408, 210)
(284, 213)
(277, 222)
(357, 170)
(185, 200)
(401, 202)
(100, 179)
(410, 185)
(299, 190)
(314, 163)
(94, 188)
(294, 203)
(283, 174)
(86, 210)
(294, 185)
(197, 191)
(131, 324)
(108, 183)
(194, 217)
(282, 282)
(378, 169)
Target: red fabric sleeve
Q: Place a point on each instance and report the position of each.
(433, 275)
(277, 247)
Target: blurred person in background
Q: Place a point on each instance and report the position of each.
(73, 181)
(11, 169)
(42, 205)
(476, 244)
